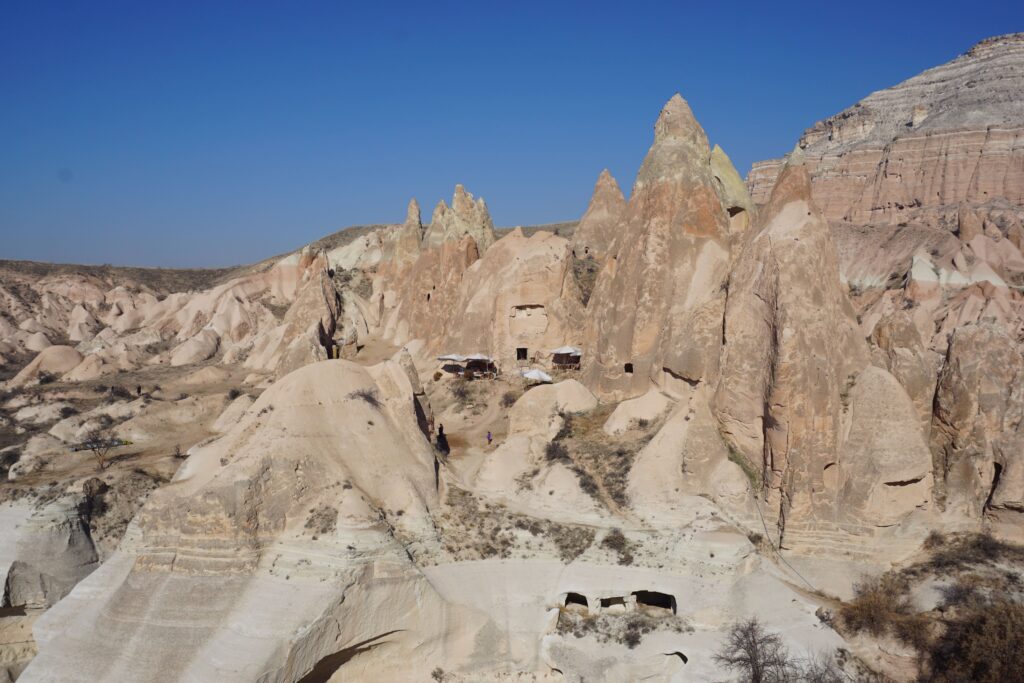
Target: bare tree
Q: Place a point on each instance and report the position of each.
(757, 655)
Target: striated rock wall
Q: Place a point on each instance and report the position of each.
(952, 134)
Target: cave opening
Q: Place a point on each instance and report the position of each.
(656, 599)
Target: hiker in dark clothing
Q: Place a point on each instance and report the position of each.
(442, 441)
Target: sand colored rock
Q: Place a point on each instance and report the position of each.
(950, 134)
(656, 308)
(538, 409)
(53, 360)
(731, 190)
(787, 400)
(232, 413)
(976, 434)
(198, 348)
(312, 426)
(466, 217)
(598, 229)
(45, 552)
(513, 298)
(629, 412)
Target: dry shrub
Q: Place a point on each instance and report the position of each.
(368, 396)
(617, 542)
(984, 645)
(322, 520)
(584, 272)
(970, 550)
(881, 605)
(627, 628)
(555, 451)
(509, 399)
(461, 393)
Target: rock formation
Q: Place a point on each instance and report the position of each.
(794, 396)
(657, 306)
(597, 230)
(466, 216)
(952, 134)
(789, 392)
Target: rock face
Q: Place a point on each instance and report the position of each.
(656, 310)
(597, 230)
(924, 186)
(45, 552)
(260, 528)
(466, 216)
(977, 432)
(515, 301)
(792, 396)
(952, 134)
(843, 387)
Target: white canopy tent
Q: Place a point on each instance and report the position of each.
(535, 375)
(566, 350)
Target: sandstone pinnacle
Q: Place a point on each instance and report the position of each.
(412, 214)
(677, 120)
(596, 232)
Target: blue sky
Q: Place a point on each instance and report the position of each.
(213, 133)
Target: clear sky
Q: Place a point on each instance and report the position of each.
(213, 133)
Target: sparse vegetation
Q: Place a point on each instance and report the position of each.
(601, 463)
(368, 396)
(46, 377)
(322, 520)
(754, 476)
(555, 451)
(234, 393)
(120, 392)
(68, 411)
(617, 542)
(460, 391)
(482, 530)
(627, 628)
(584, 272)
(984, 645)
(509, 399)
(881, 606)
(978, 625)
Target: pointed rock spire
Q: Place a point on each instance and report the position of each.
(412, 214)
(680, 150)
(597, 229)
(465, 216)
(731, 190)
(677, 120)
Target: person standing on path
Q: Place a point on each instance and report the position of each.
(489, 437)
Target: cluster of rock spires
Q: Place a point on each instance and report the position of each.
(834, 360)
